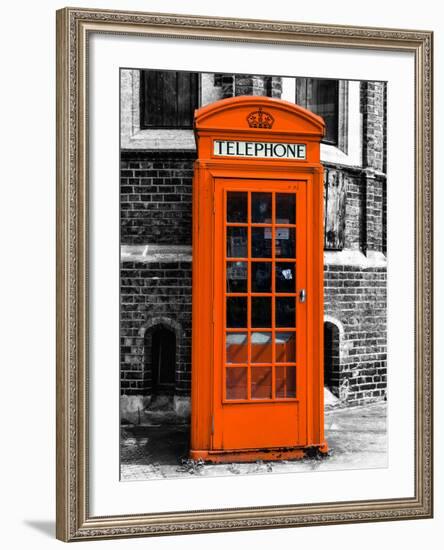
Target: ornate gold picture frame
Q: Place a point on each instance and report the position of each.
(74, 518)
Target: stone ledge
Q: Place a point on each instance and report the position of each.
(183, 253)
(155, 253)
(355, 258)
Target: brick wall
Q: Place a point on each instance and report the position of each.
(155, 197)
(150, 293)
(357, 298)
(354, 297)
(373, 105)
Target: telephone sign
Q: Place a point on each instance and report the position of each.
(259, 149)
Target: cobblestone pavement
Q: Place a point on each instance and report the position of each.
(357, 438)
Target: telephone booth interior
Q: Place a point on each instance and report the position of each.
(257, 336)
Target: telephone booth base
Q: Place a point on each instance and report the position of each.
(252, 455)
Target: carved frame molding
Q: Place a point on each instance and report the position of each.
(73, 519)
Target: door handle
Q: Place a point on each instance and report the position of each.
(302, 295)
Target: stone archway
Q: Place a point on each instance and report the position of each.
(162, 339)
(333, 335)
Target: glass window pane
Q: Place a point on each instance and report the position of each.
(261, 383)
(285, 277)
(237, 207)
(324, 102)
(236, 312)
(261, 207)
(261, 276)
(285, 312)
(285, 208)
(261, 312)
(237, 242)
(285, 347)
(236, 347)
(236, 276)
(261, 347)
(236, 383)
(261, 242)
(285, 246)
(285, 382)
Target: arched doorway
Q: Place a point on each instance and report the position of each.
(331, 357)
(160, 358)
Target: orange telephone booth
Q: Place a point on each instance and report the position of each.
(257, 341)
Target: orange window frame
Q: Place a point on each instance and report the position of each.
(273, 188)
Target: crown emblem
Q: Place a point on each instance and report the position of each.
(260, 119)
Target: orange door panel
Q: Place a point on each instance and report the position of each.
(260, 320)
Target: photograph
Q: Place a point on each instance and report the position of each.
(298, 339)
(219, 222)
(243, 274)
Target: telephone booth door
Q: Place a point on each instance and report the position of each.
(260, 314)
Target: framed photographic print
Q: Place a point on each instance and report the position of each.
(244, 274)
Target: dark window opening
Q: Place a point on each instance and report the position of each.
(331, 357)
(268, 85)
(218, 79)
(321, 96)
(163, 360)
(168, 99)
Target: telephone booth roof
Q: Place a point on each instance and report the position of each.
(259, 114)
